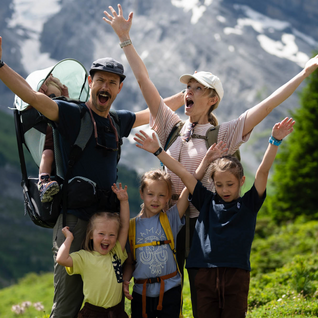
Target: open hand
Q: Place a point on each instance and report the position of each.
(117, 21)
(121, 192)
(282, 129)
(216, 151)
(311, 65)
(147, 143)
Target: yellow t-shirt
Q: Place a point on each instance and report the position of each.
(101, 287)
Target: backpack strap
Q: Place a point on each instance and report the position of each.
(86, 130)
(132, 237)
(211, 137)
(116, 122)
(174, 133)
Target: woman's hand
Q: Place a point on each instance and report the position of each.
(119, 24)
(311, 65)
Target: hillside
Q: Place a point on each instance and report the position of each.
(287, 290)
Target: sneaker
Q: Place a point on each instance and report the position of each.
(47, 188)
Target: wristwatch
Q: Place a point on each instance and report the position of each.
(272, 140)
(1, 63)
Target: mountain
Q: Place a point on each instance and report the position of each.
(253, 46)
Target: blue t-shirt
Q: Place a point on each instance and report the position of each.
(155, 261)
(224, 231)
(96, 164)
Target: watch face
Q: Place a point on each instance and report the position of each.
(1, 63)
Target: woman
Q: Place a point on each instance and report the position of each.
(203, 94)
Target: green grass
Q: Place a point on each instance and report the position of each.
(271, 295)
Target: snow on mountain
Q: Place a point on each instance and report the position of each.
(28, 19)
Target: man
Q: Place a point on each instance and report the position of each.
(98, 162)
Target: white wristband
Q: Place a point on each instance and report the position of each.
(125, 43)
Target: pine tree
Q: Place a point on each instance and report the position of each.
(295, 177)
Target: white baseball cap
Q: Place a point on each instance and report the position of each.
(207, 79)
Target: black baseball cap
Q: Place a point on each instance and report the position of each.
(108, 64)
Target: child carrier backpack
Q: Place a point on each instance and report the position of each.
(31, 128)
(31, 132)
(164, 221)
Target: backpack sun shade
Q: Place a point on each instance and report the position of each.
(31, 128)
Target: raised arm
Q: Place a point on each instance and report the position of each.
(280, 131)
(122, 27)
(183, 202)
(122, 196)
(63, 255)
(214, 152)
(151, 145)
(18, 85)
(174, 102)
(256, 114)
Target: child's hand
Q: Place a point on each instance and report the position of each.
(147, 143)
(126, 290)
(282, 129)
(67, 233)
(216, 151)
(121, 192)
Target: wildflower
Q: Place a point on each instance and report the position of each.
(17, 309)
(26, 304)
(38, 306)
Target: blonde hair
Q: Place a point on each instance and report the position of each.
(51, 82)
(155, 175)
(109, 216)
(211, 117)
(227, 163)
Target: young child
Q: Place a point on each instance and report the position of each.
(157, 288)
(225, 228)
(100, 261)
(52, 87)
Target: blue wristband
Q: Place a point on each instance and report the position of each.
(272, 140)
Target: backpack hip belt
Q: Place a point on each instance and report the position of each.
(153, 280)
